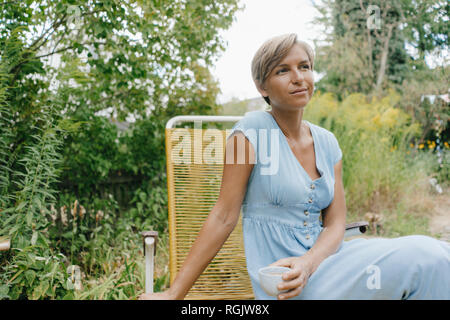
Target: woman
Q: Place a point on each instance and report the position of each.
(281, 206)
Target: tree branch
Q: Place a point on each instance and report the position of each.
(67, 48)
(384, 57)
(9, 2)
(53, 52)
(369, 42)
(53, 28)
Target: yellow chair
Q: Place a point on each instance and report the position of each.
(194, 174)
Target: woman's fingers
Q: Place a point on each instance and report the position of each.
(154, 296)
(289, 285)
(285, 262)
(295, 280)
(144, 296)
(293, 274)
(294, 286)
(290, 294)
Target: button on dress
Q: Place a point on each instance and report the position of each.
(281, 211)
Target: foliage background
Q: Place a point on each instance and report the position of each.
(65, 66)
(72, 72)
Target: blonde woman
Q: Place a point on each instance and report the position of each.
(282, 201)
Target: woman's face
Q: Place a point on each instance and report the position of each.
(291, 84)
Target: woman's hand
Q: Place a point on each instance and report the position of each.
(166, 295)
(296, 279)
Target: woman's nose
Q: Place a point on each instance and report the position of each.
(297, 76)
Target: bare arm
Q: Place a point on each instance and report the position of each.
(220, 222)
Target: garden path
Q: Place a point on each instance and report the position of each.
(440, 220)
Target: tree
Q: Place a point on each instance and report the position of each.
(427, 28)
(131, 57)
(365, 45)
(61, 62)
(357, 57)
(126, 55)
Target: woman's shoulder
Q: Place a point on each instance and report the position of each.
(328, 140)
(321, 131)
(254, 120)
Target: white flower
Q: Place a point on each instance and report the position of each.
(99, 215)
(63, 215)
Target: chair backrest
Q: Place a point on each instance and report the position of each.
(194, 174)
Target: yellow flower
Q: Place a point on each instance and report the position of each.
(411, 145)
(446, 145)
(376, 120)
(389, 117)
(421, 146)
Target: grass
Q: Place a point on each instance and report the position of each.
(122, 274)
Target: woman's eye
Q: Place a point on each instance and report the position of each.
(281, 70)
(305, 66)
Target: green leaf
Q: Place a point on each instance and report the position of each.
(67, 235)
(34, 238)
(8, 210)
(4, 289)
(37, 202)
(40, 290)
(30, 275)
(9, 219)
(21, 205)
(69, 296)
(29, 218)
(13, 230)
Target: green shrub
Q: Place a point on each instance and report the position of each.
(378, 164)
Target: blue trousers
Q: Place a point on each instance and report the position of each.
(410, 267)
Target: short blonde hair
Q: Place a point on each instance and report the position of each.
(272, 52)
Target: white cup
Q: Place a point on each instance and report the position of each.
(270, 278)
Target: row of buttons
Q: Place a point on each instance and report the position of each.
(306, 224)
(307, 213)
(312, 187)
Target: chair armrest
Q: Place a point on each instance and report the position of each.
(356, 228)
(362, 225)
(149, 240)
(152, 234)
(5, 244)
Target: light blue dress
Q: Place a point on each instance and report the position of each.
(281, 212)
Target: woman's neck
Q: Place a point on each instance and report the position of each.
(290, 123)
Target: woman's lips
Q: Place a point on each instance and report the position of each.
(299, 92)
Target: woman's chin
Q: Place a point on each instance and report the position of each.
(300, 102)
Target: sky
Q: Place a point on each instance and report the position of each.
(257, 22)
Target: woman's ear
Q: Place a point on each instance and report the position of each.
(261, 89)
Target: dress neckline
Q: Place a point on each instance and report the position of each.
(292, 153)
